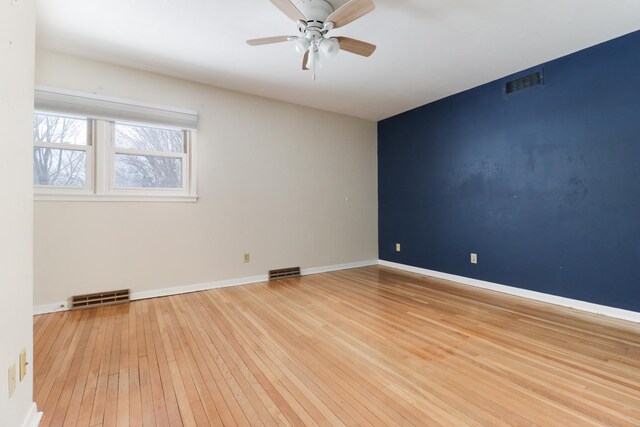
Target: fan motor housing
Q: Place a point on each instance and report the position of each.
(314, 10)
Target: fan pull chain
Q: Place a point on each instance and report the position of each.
(314, 57)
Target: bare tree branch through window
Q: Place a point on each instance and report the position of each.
(77, 156)
(140, 170)
(62, 167)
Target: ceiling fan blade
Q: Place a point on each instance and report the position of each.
(305, 61)
(350, 12)
(356, 46)
(288, 8)
(270, 40)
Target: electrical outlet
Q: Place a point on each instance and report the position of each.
(23, 364)
(397, 247)
(474, 258)
(247, 257)
(12, 379)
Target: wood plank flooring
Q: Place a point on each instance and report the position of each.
(369, 346)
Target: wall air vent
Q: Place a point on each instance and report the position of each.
(99, 299)
(284, 273)
(524, 82)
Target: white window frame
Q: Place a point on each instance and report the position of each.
(101, 149)
(111, 151)
(88, 149)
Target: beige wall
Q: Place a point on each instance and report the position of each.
(17, 40)
(273, 179)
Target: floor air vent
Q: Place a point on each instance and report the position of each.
(524, 82)
(284, 273)
(100, 299)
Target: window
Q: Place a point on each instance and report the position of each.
(140, 154)
(61, 151)
(148, 157)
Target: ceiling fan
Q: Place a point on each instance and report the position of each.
(315, 18)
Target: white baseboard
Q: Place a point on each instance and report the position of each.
(63, 306)
(617, 313)
(50, 308)
(337, 267)
(197, 287)
(33, 417)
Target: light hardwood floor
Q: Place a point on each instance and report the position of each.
(368, 346)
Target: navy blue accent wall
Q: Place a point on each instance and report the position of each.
(543, 184)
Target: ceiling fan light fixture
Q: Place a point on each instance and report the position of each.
(314, 19)
(313, 57)
(302, 45)
(330, 47)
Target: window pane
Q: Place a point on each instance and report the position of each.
(56, 167)
(149, 138)
(59, 129)
(148, 171)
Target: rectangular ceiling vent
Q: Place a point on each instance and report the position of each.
(525, 82)
(284, 273)
(99, 299)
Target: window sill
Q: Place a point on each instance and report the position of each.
(112, 198)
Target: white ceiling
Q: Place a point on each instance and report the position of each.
(427, 49)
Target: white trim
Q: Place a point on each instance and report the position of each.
(62, 146)
(50, 308)
(50, 191)
(90, 197)
(604, 310)
(198, 287)
(63, 305)
(33, 417)
(136, 152)
(102, 136)
(337, 267)
(192, 148)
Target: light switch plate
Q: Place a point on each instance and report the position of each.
(474, 258)
(23, 364)
(397, 247)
